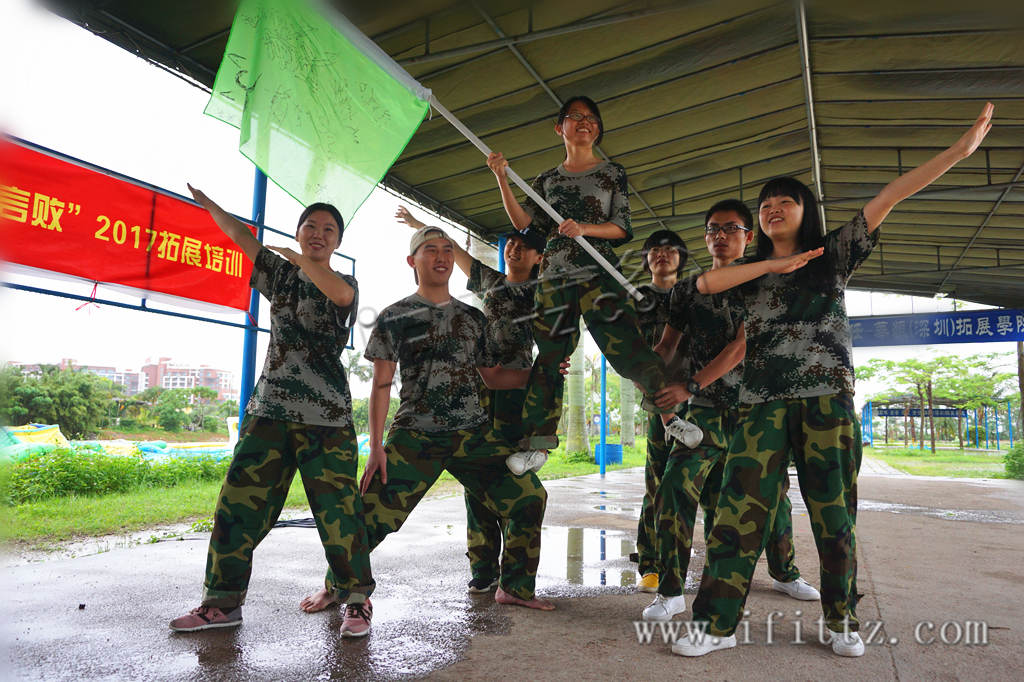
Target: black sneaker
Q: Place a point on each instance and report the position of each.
(481, 585)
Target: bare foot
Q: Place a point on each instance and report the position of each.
(318, 602)
(503, 597)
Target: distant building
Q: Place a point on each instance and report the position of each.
(165, 374)
(162, 373)
(133, 382)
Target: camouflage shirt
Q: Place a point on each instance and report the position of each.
(303, 379)
(653, 315)
(437, 348)
(596, 196)
(707, 323)
(798, 338)
(509, 310)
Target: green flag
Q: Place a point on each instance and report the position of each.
(320, 108)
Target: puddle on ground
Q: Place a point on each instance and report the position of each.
(976, 515)
(588, 556)
(618, 509)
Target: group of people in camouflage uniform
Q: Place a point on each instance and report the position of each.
(745, 368)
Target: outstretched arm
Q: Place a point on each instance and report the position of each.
(516, 213)
(326, 280)
(914, 181)
(462, 257)
(235, 229)
(720, 279)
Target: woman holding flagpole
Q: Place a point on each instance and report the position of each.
(593, 195)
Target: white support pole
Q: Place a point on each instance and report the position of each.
(523, 185)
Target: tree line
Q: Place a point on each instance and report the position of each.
(82, 403)
(963, 383)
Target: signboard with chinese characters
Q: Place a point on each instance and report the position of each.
(63, 217)
(967, 326)
(916, 412)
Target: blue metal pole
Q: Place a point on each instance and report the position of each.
(259, 209)
(871, 425)
(604, 410)
(985, 409)
(1009, 422)
(501, 254)
(976, 434)
(995, 412)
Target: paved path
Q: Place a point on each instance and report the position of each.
(876, 467)
(930, 551)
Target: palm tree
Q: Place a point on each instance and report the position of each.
(576, 430)
(627, 402)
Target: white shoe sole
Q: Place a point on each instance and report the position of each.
(354, 635)
(516, 464)
(661, 616)
(846, 650)
(683, 647)
(539, 460)
(209, 626)
(794, 593)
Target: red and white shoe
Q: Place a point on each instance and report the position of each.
(357, 619)
(206, 618)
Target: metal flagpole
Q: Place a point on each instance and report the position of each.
(259, 207)
(523, 185)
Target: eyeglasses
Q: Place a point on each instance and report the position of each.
(729, 228)
(577, 116)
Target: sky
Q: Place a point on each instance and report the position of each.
(80, 95)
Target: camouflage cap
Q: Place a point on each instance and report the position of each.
(425, 234)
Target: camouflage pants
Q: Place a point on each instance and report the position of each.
(646, 531)
(823, 436)
(476, 458)
(693, 478)
(265, 460)
(611, 318)
(484, 527)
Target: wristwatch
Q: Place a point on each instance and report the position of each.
(693, 387)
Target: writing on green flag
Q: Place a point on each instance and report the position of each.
(315, 109)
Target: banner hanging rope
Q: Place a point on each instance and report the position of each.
(523, 185)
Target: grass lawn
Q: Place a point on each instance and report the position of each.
(41, 524)
(954, 463)
(159, 434)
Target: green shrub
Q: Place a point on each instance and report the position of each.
(86, 471)
(584, 456)
(1014, 461)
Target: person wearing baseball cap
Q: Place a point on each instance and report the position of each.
(508, 305)
(440, 348)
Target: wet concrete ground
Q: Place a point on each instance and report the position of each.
(930, 550)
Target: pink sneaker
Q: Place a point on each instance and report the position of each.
(207, 617)
(357, 620)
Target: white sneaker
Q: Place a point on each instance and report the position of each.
(685, 432)
(797, 589)
(685, 646)
(847, 644)
(519, 462)
(663, 608)
(538, 460)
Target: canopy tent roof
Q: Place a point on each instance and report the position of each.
(701, 101)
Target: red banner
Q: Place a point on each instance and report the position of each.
(56, 215)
